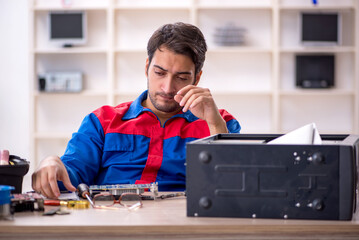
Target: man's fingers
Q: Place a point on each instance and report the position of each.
(44, 186)
(194, 99)
(189, 94)
(36, 184)
(66, 181)
(194, 91)
(178, 98)
(44, 180)
(52, 183)
(33, 181)
(185, 89)
(195, 102)
(49, 185)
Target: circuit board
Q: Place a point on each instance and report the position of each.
(118, 189)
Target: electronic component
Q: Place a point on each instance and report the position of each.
(313, 32)
(118, 189)
(171, 195)
(67, 28)
(61, 81)
(230, 178)
(315, 71)
(229, 35)
(27, 202)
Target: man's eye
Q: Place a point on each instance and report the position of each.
(182, 78)
(159, 73)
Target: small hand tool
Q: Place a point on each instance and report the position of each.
(84, 192)
(77, 204)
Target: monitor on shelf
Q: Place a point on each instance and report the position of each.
(315, 71)
(68, 28)
(320, 28)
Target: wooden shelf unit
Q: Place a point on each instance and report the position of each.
(255, 82)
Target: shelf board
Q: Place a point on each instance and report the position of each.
(130, 50)
(84, 93)
(52, 135)
(318, 49)
(215, 49)
(320, 7)
(211, 49)
(120, 93)
(242, 93)
(238, 49)
(317, 92)
(234, 7)
(74, 8)
(153, 7)
(75, 50)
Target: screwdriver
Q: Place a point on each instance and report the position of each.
(84, 192)
(77, 204)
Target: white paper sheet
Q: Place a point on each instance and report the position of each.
(307, 134)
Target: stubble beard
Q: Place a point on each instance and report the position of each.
(169, 107)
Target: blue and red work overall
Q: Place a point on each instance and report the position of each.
(126, 144)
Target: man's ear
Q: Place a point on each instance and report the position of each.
(198, 77)
(146, 67)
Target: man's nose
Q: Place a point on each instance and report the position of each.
(168, 85)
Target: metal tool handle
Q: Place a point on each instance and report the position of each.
(84, 192)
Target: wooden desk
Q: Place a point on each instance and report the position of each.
(166, 219)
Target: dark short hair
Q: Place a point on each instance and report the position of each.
(180, 38)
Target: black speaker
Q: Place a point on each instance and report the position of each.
(315, 71)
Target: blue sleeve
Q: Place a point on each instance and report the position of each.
(83, 154)
(233, 126)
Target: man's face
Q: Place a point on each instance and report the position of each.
(166, 75)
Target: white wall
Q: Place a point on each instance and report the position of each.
(14, 80)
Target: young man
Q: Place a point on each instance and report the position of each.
(144, 141)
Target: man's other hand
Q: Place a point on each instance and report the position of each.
(201, 103)
(44, 179)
